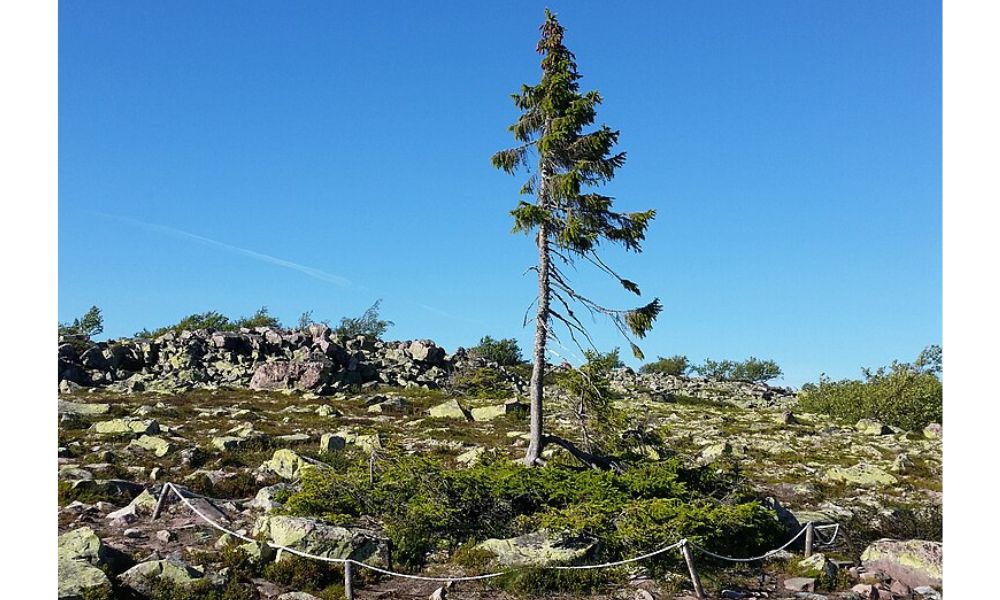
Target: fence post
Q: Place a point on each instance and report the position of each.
(809, 539)
(699, 591)
(159, 501)
(348, 581)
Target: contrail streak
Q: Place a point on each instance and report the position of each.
(266, 258)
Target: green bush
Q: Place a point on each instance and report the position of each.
(369, 324)
(482, 382)
(424, 506)
(89, 325)
(675, 365)
(215, 321)
(751, 369)
(505, 352)
(906, 395)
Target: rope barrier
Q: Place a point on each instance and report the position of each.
(752, 558)
(169, 487)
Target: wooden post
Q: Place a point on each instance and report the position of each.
(809, 539)
(159, 501)
(699, 591)
(348, 581)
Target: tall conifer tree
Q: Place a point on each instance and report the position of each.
(568, 219)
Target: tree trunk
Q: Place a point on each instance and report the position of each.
(535, 441)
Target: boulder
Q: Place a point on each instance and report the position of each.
(157, 445)
(321, 539)
(449, 410)
(79, 579)
(495, 411)
(471, 457)
(913, 562)
(872, 427)
(331, 442)
(286, 464)
(310, 375)
(141, 576)
(426, 351)
(818, 565)
(861, 474)
(83, 408)
(127, 426)
(297, 596)
(933, 431)
(265, 498)
(800, 584)
(538, 549)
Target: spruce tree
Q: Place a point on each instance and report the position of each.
(568, 219)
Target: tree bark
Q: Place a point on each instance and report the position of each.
(535, 441)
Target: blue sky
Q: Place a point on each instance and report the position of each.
(319, 156)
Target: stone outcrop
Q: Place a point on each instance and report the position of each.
(263, 358)
(666, 388)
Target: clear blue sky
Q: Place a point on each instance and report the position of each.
(319, 156)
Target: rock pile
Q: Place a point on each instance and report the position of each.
(263, 358)
(745, 394)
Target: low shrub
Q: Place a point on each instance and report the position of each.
(675, 365)
(482, 382)
(906, 395)
(424, 506)
(505, 352)
(215, 321)
(751, 369)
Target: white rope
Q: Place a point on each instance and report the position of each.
(622, 562)
(752, 558)
(169, 487)
(836, 530)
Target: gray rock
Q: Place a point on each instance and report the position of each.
(283, 375)
(127, 426)
(450, 409)
(872, 427)
(83, 408)
(321, 539)
(157, 445)
(79, 579)
(139, 577)
(800, 584)
(286, 464)
(914, 562)
(537, 549)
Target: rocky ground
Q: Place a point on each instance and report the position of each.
(133, 428)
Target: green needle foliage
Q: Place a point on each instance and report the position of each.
(90, 324)
(569, 219)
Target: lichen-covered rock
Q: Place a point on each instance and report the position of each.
(79, 579)
(872, 427)
(449, 410)
(157, 445)
(537, 549)
(471, 457)
(495, 411)
(818, 565)
(321, 539)
(83, 408)
(286, 464)
(141, 576)
(127, 426)
(861, 474)
(914, 562)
